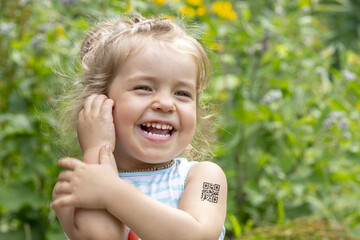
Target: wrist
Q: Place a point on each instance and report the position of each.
(91, 155)
(114, 191)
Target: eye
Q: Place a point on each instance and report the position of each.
(183, 94)
(143, 88)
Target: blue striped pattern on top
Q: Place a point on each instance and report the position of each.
(165, 185)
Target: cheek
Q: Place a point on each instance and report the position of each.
(121, 116)
(190, 118)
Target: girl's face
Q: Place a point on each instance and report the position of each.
(155, 107)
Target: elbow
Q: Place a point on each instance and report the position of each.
(96, 233)
(98, 225)
(202, 234)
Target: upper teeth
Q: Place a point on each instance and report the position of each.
(158, 126)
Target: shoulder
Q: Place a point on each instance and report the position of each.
(206, 171)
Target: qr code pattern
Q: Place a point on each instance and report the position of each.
(210, 192)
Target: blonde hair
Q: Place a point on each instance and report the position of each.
(109, 44)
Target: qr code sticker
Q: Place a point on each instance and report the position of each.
(210, 192)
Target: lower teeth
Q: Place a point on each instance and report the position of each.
(156, 135)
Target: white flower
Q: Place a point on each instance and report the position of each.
(338, 118)
(271, 96)
(348, 75)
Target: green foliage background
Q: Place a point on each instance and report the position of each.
(285, 79)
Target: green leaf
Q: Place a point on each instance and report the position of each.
(14, 196)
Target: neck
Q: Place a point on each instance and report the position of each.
(126, 164)
(153, 167)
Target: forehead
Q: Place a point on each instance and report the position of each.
(134, 45)
(160, 62)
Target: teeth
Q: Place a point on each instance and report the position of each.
(158, 126)
(156, 135)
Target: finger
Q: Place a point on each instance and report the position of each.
(107, 157)
(63, 201)
(104, 154)
(65, 176)
(107, 107)
(81, 115)
(62, 188)
(69, 163)
(88, 103)
(97, 103)
(113, 162)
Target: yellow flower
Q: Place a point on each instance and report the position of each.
(282, 50)
(201, 11)
(186, 10)
(59, 31)
(169, 17)
(352, 58)
(159, 2)
(224, 10)
(194, 2)
(217, 46)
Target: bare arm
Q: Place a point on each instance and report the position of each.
(196, 218)
(95, 128)
(83, 223)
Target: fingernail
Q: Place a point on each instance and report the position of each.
(107, 147)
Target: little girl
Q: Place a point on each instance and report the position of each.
(138, 108)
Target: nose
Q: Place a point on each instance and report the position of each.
(163, 102)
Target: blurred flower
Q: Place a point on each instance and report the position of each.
(201, 11)
(336, 117)
(186, 10)
(217, 46)
(348, 75)
(328, 122)
(271, 96)
(46, 26)
(195, 2)
(343, 124)
(168, 17)
(6, 28)
(347, 135)
(37, 41)
(224, 10)
(159, 2)
(282, 50)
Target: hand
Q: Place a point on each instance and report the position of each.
(95, 125)
(86, 185)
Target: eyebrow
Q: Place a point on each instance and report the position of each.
(154, 79)
(141, 77)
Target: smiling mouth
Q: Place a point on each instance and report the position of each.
(157, 129)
